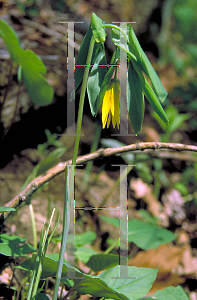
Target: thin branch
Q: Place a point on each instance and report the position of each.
(38, 182)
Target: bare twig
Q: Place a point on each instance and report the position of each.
(38, 182)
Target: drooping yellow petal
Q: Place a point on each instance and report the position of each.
(110, 106)
(117, 104)
(106, 106)
(112, 98)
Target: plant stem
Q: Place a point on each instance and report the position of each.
(69, 178)
(33, 226)
(112, 247)
(81, 101)
(115, 27)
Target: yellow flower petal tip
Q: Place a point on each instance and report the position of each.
(110, 106)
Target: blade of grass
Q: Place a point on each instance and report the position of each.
(35, 240)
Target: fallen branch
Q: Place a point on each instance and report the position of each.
(38, 182)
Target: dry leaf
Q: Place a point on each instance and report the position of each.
(165, 258)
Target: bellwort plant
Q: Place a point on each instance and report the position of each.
(103, 89)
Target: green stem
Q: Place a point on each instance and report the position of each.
(129, 53)
(69, 181)
(112, 247)
(116, 27)
(66, 222)
(33, 226)
(81, 101)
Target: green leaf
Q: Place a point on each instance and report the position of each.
(82, 57)
(144, 235)
(84, 254)
(42, 296)
(12, 245)
(87, 285)
(30, 69)
(172, 293)
(11, 41)
(113, 221)
(135, 99)
(144, 214)
(50, 160)
(86, 238)
(152, 99)
(39, 89)
(99, 262)
(97, 28)
(133, 288)
(145, 65)
(95, 79)
(98, 288)
(149, 93)
(4, 209)
(147, 236)
(44, 165)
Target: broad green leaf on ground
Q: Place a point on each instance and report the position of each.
(135, 99)
(84, 253)
(12, 245)
(31, 67)
(97, 28)
(144, 235)
(102, 261)
(86, 285)
(172, 293)
(98, 288)
(111, 143)
(145, 65)
(133, 288)
(148, 236)
(95, 79)
(103, 285)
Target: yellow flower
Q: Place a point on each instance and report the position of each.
(110, 107)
